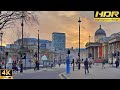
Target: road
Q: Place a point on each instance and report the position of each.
(44, 74)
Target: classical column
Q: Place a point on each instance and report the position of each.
(95, 52)
(87, 52)
(98, 51)
(104, 51)
(90, 51)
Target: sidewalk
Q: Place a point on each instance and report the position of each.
(96, 72)
(29, 71)
(41, 69)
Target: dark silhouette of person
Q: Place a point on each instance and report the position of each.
(86, 64)
(82, 59)
(36, 65)
(0, 65)
(59, 64)
(14, 67)
(71, 63)
(51, 65)
(117, 63)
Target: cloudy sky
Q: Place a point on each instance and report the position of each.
(65, 22)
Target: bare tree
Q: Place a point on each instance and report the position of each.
(7, 18)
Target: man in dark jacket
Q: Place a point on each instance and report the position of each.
(0, 65)
(117, 64)
(86, 63)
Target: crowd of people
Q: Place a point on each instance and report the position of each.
(88, 64)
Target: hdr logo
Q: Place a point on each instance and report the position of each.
(109, 16)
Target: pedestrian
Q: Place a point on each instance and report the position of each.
(0, 65)
(90, 63)
(59, 64)
(38, 65)
(51, 65)
(86, 65)
(14, 66)
(76, 63)
(103, 64)
(71, 63)
(35, 65)
(82, 59)
(117, 63)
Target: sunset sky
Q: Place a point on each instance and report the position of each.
(65, 22)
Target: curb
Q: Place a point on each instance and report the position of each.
(27, 72)
(63, 76)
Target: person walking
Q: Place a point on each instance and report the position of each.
(82, 59)
(76, 63)
(35, 65)
(0, 65)
(86, 63)
(59, 64)
(73, 64)
(51, 65)
(90, 63)
(103, 64)
(117, 63)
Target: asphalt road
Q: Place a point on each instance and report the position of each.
(47, 74)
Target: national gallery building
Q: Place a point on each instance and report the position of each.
(103, 47)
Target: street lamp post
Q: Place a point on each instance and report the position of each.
(89, 47)
(79, 44)
(1, 34)
(38, 49)
(21, 65)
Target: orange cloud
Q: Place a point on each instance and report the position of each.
(62, 21)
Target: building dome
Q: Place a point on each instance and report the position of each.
(100, 31)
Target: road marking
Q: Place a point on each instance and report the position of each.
(63, 76)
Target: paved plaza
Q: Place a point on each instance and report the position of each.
(45, 73)
(96, 72)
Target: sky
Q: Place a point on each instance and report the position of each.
(64, 22)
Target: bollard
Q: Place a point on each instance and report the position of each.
(67, 66)
(73, 64)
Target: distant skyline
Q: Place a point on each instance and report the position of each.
(64, 22)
